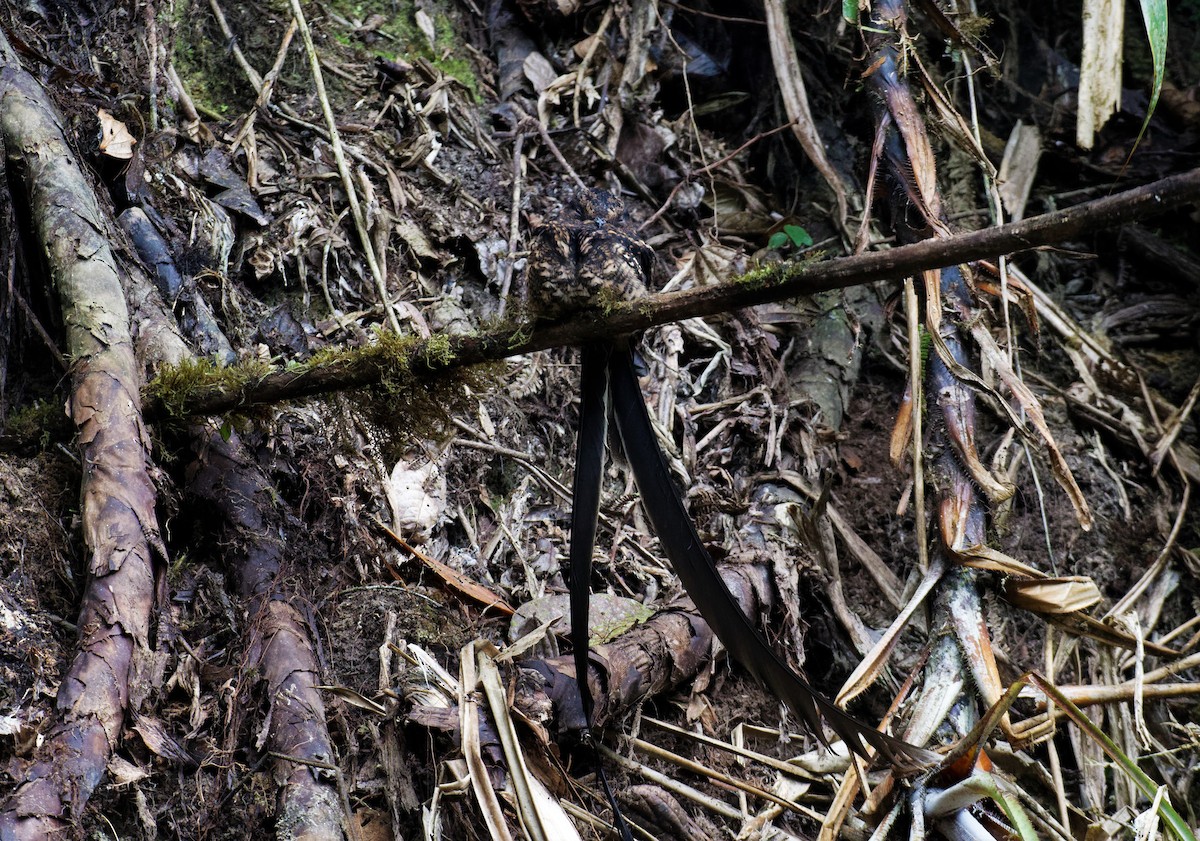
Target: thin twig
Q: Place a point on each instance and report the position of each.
(915, 365)
(339, 156)
(514, 219)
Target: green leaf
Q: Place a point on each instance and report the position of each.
(850, 10)
(799, 237)
(226, 431)
(1154, 14)
(778, 240)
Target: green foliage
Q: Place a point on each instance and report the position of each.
(760, 276)
(1154, 14)
(790, 235)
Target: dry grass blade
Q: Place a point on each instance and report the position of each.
(1032, 408)
(1173, 427)
(704, 771)
(872, 665)
(718, 807)
(1127, 765)
(541, 816)
(1081, 624)
(468, 711)
(916, 395)
(779, 765)
(795, 100)
(339, 156)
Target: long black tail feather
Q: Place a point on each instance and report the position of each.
(585, 512)
(703, 583)
(589, 467)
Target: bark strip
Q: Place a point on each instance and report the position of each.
(279, 647)
(119, 524)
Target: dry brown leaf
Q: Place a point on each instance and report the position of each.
(453, 579)
(981, 556)
(115, 139)
(903, 429)
(1052, 595)
(355, 699)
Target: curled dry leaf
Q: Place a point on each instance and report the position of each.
(1052, 595)
(115, 139)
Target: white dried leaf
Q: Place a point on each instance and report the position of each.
(427, 27)
(122, 771)
(417, 496)
(539, 71)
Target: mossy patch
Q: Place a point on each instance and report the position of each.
(411, 391)
(772, 274)
(177, 386)
(416, 395)
(399, 36)
(38, 424)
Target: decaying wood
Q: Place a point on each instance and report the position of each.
(119, 520)
(661, 654)
(253, 530)
(772, 283)
(665, 652)
(279, 648)
(118, 494)
(699, 408)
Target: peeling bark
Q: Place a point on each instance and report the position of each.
(119, 523)
(279, 648)
(658, 655)
(118, 495)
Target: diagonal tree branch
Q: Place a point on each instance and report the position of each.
(438, 354)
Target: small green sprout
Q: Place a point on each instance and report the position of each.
(791, 235)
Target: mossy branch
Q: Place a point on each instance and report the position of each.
(217, 393)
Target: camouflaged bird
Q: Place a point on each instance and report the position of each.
(585, 262)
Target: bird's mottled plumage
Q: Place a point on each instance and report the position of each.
(586, 259)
